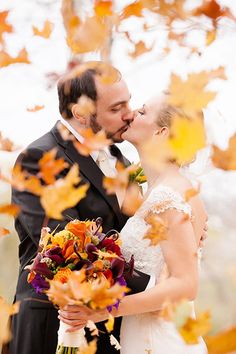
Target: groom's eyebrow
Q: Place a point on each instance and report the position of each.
(119, 103)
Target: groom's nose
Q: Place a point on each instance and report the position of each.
(128, 117)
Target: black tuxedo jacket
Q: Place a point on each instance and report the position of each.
(35, 326)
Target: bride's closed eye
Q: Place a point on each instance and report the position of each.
(141, 112)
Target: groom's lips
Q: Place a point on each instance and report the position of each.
(121, 130)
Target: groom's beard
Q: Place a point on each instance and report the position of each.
(97, 127)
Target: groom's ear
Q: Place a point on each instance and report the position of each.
(76, 114)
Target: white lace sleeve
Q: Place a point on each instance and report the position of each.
(163, 198)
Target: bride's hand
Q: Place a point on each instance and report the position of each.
(77, 316)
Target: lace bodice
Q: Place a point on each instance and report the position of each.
(149, 259)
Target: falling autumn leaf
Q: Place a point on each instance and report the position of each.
(195, 328)
(86, 106)
(45, 32)
(89, 348)
(121, 181)
(157, 231)
(6, 59)
(172, 10)
(192, 192)
(4, 26)
(5, 312)
(6, 144)
(140, 48)
(63, 194)
(35, 108)
(50, 167)
(134, 9)
(110, 323)
(133, 200)
(103, 8)
(10, 209)
(92, 141)
(210, 37)
(225, 159)
(3, 232)
(223, 342)
(186, 138)
(213, 10)
(190, 95)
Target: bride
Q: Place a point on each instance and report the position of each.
(143, 330)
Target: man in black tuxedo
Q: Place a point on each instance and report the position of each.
(35, 326)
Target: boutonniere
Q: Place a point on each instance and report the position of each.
(137, 175)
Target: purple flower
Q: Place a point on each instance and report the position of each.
(117, 267)
(39, 284)
(41, 267)
(55, 254)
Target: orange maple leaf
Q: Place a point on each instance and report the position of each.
(45, 32)
(50, 167)
(223, 342)
(213, 10)
(194, 328)
(6, 59)
(134, 9)
(3, 232)
(225, 159)
(11, 209)
(6, 144)
(4, 26)
(92, 141)
(157, 230)
(103, 8)
(133, 200)
(35, 108)
(140, 48)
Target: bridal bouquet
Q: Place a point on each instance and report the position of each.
(79, 265)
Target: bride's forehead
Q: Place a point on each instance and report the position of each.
(155, 102)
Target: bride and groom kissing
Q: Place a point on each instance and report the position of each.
(138, 326)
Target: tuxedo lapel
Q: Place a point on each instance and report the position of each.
(90, 170)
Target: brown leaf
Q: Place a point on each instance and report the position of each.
(46, 31)
(50, 167)
(63, 194)
(133, 200)
(6, 59)
(140, 48)
(11, 209)
(194, 328)
(157, 231)
(225, 159)
(35, 108)
(213, 10)
(223, 342)
(91, 141)
(4, 26)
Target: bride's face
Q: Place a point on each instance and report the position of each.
(144, 125)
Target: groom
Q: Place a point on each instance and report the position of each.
(35, 326)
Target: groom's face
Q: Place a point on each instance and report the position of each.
(113, 113)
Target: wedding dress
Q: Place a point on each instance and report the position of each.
(147, 333)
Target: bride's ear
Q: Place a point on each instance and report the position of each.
(164, 131)
(76, 114)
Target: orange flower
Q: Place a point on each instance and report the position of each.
(68, 250)
(78, 228)
(62, 275)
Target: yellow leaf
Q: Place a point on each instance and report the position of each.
(5, 312)
(63, 194)
(92, 141)
(210, 36)
(103, 8)
(4, 26)
(157, 231)
(223, 342)
(190, 95)
(140, 48)
(110, 323)
(194, 328)
(35, 108)
(6, 59)
(50, 167)
(11, 209)
(45, 32)
(187, 137)
(89, 348)
(225, 159)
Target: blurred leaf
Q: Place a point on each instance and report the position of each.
(225, 159)
(210, 36)
(86, 106)
(134, 9)
(3, 232)
(92, 141)
(50, 167)
(5, 312)
(11, 209)
(46, 31)
(213, 10)
(6, 59)
(157, 230)
(6, 144)
(103, 8)
(89, 348)
(63, 194)
(223, 342)
(172, 10)
(192, 192)
(4, 26)
(133, 200)
(110, 323)
(35, 108)
(140, 48)
(194, 328)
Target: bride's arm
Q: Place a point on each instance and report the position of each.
(180, 255)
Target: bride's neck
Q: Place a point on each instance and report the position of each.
(156, 174)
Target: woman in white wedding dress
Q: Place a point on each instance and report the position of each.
(143, 330)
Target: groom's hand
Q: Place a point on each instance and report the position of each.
(77, 316)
